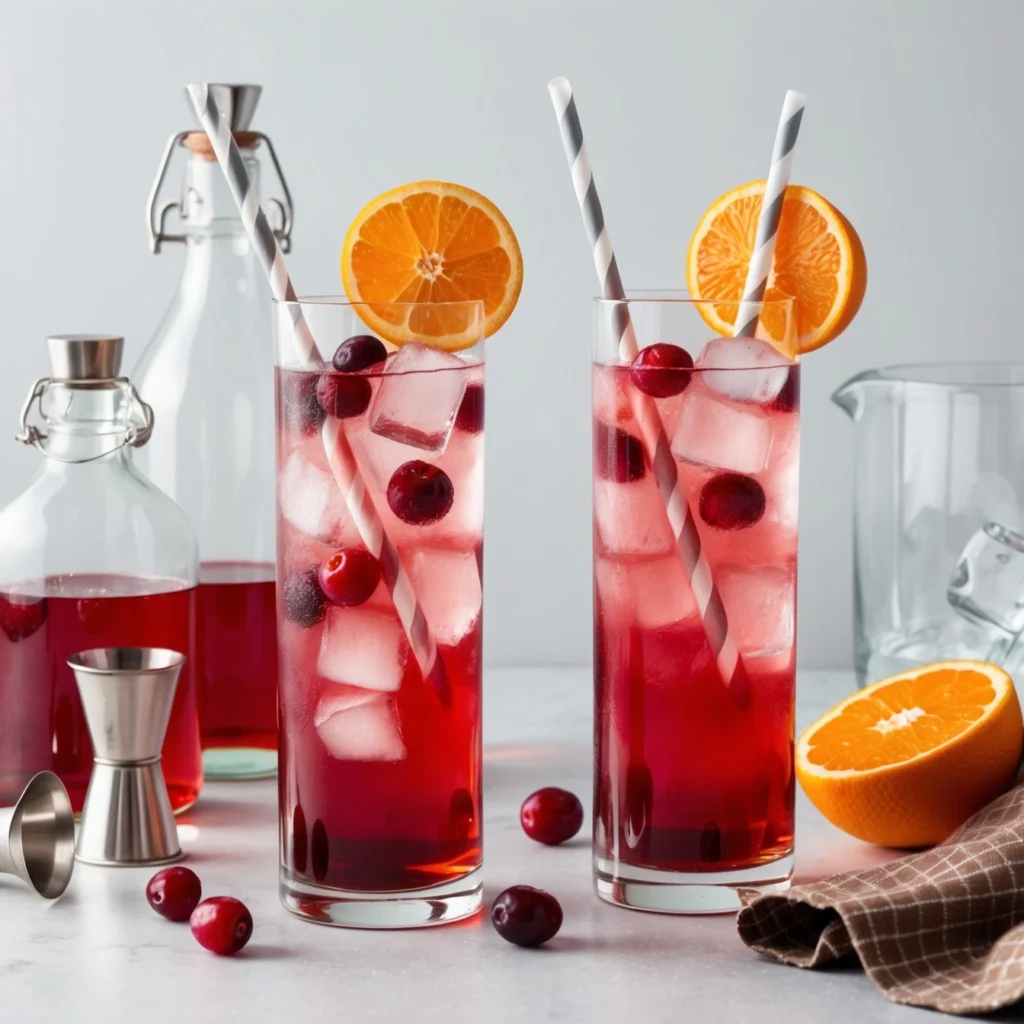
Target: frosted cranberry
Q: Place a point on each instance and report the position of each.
(174, 893)
(551, 815)
(19, 619)
(526, 916)
(359, 353)
(661, 370)
(300, 407)
(617, 455)
(304, 601)
(731, 501)
(349, 577)
(419, 493)
(222, 924)
(343, 397)
(788, 399)
(470, 417)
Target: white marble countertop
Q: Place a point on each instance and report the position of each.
(100, 954)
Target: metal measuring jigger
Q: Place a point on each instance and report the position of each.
(37, 836)
(127, 693)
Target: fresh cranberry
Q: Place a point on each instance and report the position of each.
(300, 408)
(731, 501)
(419, 493)
(788, 398)
(343, 397)
(19, 619)
(661, 370)
(222, 924)
(617, 455)
(470, 417)
(349, 577)
(304, 601)
(551, 815)
(359, 353)
(174, 893)
(526, 916)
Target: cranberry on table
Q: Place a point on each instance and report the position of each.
(359, 353)
(526, 916)
(300, 406)
(174, 893)
(661, 370)
(618, 456)
(470, 417)
(731, 501)
(343, 397)
(222, 924)
(551, 815)
(349, 577)
(20, 619)
(305, 603)
(419, 493)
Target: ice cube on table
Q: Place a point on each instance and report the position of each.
(309, 497)
(419, 397)
(988, 583)
(743, 369)
(354, 729)
(363, 647)
(714, 433)
(651, 592)
(630, 518)
(447, 582)
(759, 604)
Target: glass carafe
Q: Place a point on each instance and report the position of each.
(208, 373)
(91, 555)
(937, 456)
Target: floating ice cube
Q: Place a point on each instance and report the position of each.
(744, 369)
(448, 586)
(714, 433)
(612, 404)
(630, 518)
(363, 647)
(355, 729)
(464, 463)
(652, 592)
(309, 496)
(417, 401)
(988, 582)
(759, 605)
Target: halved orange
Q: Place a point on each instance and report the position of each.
(432, 241)
(907, 760)
(819, 261)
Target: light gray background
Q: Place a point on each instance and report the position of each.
(913, 128)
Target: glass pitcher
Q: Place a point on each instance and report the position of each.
(938, 455)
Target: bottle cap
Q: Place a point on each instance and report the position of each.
(85, 357)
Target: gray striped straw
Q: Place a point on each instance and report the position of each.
(339, 452)
(771, 213)
(655, 439)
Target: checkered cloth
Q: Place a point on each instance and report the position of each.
(943, 928)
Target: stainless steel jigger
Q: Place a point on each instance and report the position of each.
(37, 836)
(127, 693)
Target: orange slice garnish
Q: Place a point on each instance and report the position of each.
(432, 242)
(907, 760)
(819, 261)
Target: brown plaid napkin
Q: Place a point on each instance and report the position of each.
(943, 928)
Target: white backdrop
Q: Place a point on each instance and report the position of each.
(912, 128)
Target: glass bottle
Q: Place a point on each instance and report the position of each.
(208, 373)
(91, 555)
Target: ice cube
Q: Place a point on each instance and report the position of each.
(354, 729)
(630, 518)
(363, 647)
(612, 404)
(714, 433)
(447, 583)
(419, 397)
(652, 592)
(309, 497)
(760, 607)
(464, 463)
(744, 369)
(988, 584)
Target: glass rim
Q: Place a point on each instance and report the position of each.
(918, 374)
(343, 302)
(680, 296)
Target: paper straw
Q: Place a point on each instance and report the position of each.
(339, 452)
(655, 439)
(771, 213)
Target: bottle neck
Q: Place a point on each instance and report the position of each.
(207, 206)
(86, 425)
